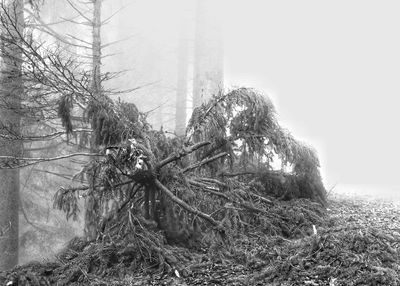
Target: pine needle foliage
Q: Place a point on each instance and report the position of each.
(204, 190)
(243, 123)
(113, 122)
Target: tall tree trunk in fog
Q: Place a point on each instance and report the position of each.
(91, 214)
(182, 84)
(96, 46)
(208, 57)
(11, 92)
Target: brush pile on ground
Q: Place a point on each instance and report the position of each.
(152, 201)
(145, 257)
(357, 242)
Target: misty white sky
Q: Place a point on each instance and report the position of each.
(333, 71)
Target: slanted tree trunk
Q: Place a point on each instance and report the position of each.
(11, 92)
(208, 57)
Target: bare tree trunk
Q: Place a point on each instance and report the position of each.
(10, 104)
(96, 48)
(91, 209)
(208, 57)
(182, 84)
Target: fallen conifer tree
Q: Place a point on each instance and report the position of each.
(216, 179)
(148, 192)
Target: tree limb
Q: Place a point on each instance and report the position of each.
(40, 137)
(11, 162)
(265, 200)
(187, 207)
(224, 174)
(208, 189)
(214, 181)
(203, 162)
(182, 153)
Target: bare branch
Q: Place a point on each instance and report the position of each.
(64, 176)
(105, 21)
(50, 31)
(40, 137)
(79, 12)
(85, 187)
(226, 174)
(116, 42)
(187, 207)
(209, 189)
(181, 154)
(11, 162)
(80, 40)
(203, 162)
(214, 181)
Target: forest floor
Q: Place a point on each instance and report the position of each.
(356, 243)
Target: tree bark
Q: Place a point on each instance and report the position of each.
(208, 57)
(96, 48)
(91, 209)
(11, 93)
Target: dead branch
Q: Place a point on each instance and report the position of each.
(85, 187)
(265, 200)
(182, 153)
(225, 174)
(214, 181)
(216, 192)
(203, 162)
(208, 189)
(187, 207)
(79, 12)
(11, 162)
(63, 176)
(250, 172)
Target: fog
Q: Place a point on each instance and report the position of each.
(331, 69)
